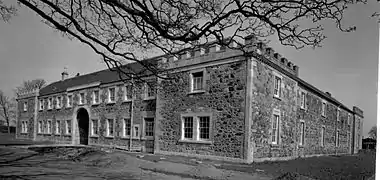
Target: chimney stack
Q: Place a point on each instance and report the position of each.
(64, 74)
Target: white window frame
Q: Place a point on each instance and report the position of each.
(93, 134)
(191, 77)
(338, 114)
(48, 126)
(82, 100)
(337, 138)
(146, 88)
(67, 127)
(59, 102)
(94, 97)
(145, 127)
(279, 90)
(303, 99)
(50, 102)
(39, 124)
(277, 134)
(323, 133)
(324, 109)
(41, 104)
(126, 92)
(69, 100)
(302, 133)
(108, 127)
(136, 134)
(196, 127)
(25, 106)
(24, 126)
(130, 127)
(58, 127)
(109, 94)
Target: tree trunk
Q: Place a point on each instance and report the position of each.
(9, 129)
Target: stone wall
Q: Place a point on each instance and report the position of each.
(263, 105)
(224, 98)
(25, 116)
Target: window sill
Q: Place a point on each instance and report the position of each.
(109, 137)
(111, 102)
(195, 141)
(149, 98)
(94, 136)
(50, 109)
(57, 134)
(197, 92)
(67, 134)
(147, 138)
(23, 133)
(129, 137)
(58, 108)
(68, 107)
(127, 100)
(95, 104)
(277, 97)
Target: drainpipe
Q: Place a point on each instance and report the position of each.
(336, 130)
(131, 119)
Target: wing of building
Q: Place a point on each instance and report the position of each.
(215, 102)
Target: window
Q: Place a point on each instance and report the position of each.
(68, 126)
(197, 79)
(95, 97)
(349, 119)
(49, 103)
(204, 128)
(338, 114)
(94, 127)
(111, 94)
(128, 92)
(337, 138)
(81, 98)
(275, 128)
(188, 127)
(48, 128)
(69, 100)
(59, 102)
(24, 126)
(196, 127)
(39, 126)
(323, 136)
(303, 100)
(277, 86)
(150, 90)
(41, 102)
(324, 109)
(25, 106)
(136, 130)
(348, 138)
(127, 127)
(44, 129)
(110, 127)
(58, 127)
(302, 135)
(149, 126)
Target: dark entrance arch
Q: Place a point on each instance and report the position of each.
(83, 125)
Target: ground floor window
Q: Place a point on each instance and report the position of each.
(136, 130)
(39, 126)
(348, 138)
(94, 127)
(48, 127)
(196, 127)
(58, 127)
(110, 127)
(127, 127)
(68, 126)
(149, 126)
(323, 136)
(337, 138)
(302, 136)
(275, 128)
(24, 126)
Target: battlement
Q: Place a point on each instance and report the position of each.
(253, 44)
(27, 93)
(358, 111)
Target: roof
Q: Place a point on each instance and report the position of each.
(103, 76)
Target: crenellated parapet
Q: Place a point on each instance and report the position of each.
(254, 45)
(21, 94)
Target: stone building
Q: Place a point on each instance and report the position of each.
(214, 102)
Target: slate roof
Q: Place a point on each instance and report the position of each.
(103, 76)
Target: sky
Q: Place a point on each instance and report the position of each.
(346, 64)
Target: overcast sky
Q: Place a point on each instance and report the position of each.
(346, 65)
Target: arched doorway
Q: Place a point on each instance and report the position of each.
(83, 125)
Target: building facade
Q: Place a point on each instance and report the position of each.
(213, 102)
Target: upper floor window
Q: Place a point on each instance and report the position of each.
(128, 92)
(25, 106)
(149, 90)
(349, 119)
(196, 127)
(59, 102)
(41, 103)
(197, 81)
(303, 100)
(324, 109)
(338, 115)
(111, 94)
(277, 86)
(275, 128)
(69, 100)
(95, 97)
(50, 103)
(81, 98)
